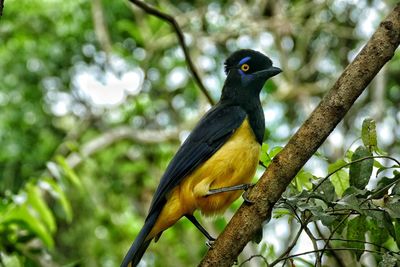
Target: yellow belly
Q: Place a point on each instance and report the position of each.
(233, 164)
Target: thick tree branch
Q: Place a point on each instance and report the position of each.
(333, 107)
(168, 18)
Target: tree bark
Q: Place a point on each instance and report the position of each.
(333, 107)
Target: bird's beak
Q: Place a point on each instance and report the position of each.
(268, 73)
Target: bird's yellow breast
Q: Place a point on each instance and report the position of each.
(233, 164)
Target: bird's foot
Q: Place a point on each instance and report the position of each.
(210, 243)
(246, 194)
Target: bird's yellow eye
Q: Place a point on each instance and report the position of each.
(245, 67)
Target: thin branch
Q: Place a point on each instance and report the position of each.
(1, 7)
(303, 225)
(117, 134)
(332, 249)
(332, 233)
(100, 26)
(315, 245)
(352, 162)
(353, 212)
(334, 254)
(255, 256)
(333, 107)
(360, 241)
(181, 38)
(288, 249)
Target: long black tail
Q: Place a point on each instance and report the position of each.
(140, 245)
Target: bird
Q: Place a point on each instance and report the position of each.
(218, 159)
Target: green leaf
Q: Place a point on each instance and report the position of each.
(388, 261)
(59, 194)
(302, 180)
(339, 164)
(69, 172)
(264, 157)
(368, 134)
(328, 191)
(340, 181)
(36, 201)
(383, 168)
(396, 188)
(388, 224)
(377, 233)
(384, 185)
(274, 151)
(280, 212)
(356, 192)
(379, 165)
(397, 231)
(356, 229)
(8, 260)
(360, 172)
(23, 217)
(393, 208)
(339, 224)
(350, 202)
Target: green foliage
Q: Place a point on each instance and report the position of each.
(368, 134)
(76, 183)
(352, 212)
(361, 168)
(26, 218)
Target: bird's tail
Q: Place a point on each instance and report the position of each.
(139, 246)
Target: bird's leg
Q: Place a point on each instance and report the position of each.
(244, 187)
(200, 227)
(229, 189)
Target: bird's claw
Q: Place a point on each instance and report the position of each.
(210, 243)
(246, 194)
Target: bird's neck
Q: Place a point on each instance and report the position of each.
(249, 100)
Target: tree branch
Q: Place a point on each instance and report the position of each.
(333, 107)
(1, 7)
(116, 134)
(100, 27)
(168, 18)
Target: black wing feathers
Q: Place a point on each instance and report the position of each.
(208, 136)
(140, 244)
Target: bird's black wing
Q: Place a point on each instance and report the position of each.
(213, 130)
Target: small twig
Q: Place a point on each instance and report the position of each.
(332, 249)
(289, 248)
(255, 256)
(360, 241)
(248, 219)
(100, 27)
(352, 162)
(334, 254)
(315, 245)
(1, 7)
(303, 225)
(332, 233)
(352, 212)
(116, 134)
(168, 18)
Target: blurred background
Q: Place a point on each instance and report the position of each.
(95, 98)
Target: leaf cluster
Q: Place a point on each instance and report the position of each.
(357, 203)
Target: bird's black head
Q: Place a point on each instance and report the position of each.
(247, 72)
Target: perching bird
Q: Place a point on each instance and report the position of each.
(218, 159)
